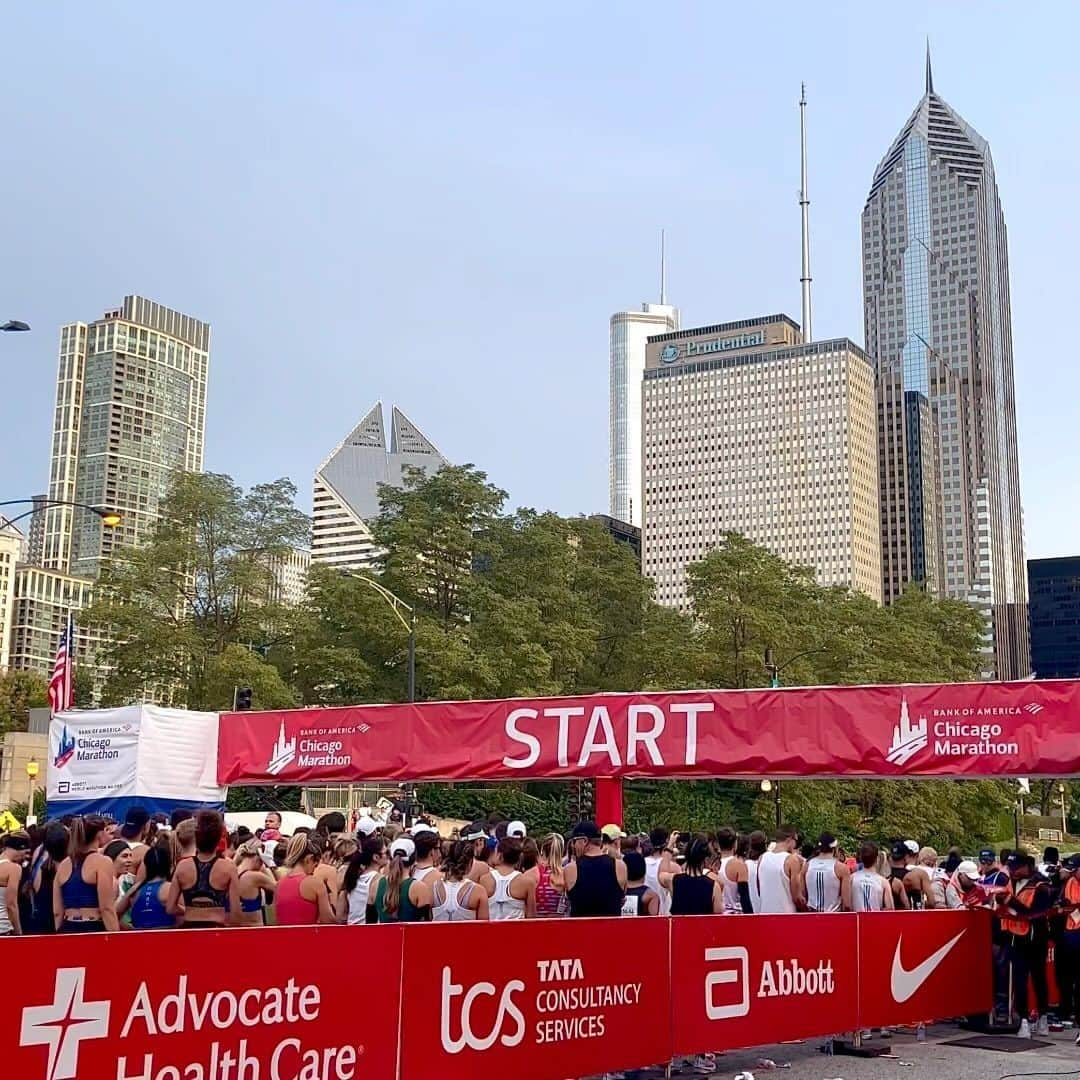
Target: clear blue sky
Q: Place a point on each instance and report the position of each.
(440, 204)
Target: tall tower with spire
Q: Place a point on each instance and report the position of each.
(938, 326)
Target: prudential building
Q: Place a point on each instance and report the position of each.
(938, 327)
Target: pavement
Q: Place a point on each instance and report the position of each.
(910, 1060)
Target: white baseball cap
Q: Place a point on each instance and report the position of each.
(366, 825)
(517, 830)
(422, 827)
(403, 846)
(912, 846)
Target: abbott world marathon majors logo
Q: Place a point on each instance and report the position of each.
(64, 1025)
(566, 1005)
(957, 731)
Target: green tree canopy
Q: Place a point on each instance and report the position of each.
(20, 691)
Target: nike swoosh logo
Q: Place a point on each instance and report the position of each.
(905, 983)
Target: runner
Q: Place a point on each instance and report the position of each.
(477, 833)
(939, 879)
(302, 898)
(917, 880)
(14, 852)
(118, 852)
(207, 881)
(660, 859)
(454, 897)
(511, 894)
(595, 883)
(355, 905)
(868, 890)
(135, 831)
(256, 883)
(40, 884)
(397, 897)
(84, 889)
(611, 840)
(550, 886)
(640, 899)
(146, 903)
(428, 850)
(758, 845)
(733, 873)
(899, 864)
(779, 875)
(826, 878)
(693, 892)
(516, 830)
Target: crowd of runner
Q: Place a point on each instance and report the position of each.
(87, 874)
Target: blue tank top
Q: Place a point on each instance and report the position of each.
(148, 910)
(75, 892)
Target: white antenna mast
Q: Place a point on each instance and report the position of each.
(804, 205)
(663, 267)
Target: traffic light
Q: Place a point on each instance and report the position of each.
(242, 699)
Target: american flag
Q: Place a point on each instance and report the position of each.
(62, 684)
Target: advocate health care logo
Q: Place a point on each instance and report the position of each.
(69, 1020)
(957, 731)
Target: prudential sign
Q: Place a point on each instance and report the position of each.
(689, 349)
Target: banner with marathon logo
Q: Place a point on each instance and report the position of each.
(1027, 728)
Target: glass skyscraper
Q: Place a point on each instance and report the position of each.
(938, 326)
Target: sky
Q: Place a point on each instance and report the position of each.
(439, 205)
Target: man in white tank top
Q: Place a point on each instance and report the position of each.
(758, 846)
(825, 878)
(511, 894)
(779, 876)
(662, 860)
(867, 889)
(734, 876)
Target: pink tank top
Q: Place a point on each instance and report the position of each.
(291, 908)
(548, 900)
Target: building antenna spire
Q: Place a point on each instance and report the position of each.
(663, 266)
(929, 70)
(804, 205)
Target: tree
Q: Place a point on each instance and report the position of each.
(20, 691)
(177, 609)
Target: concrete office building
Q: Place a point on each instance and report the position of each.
(938, 326)
(630, 331)
(130, 412)
(35, 534)
(346, 488)
(1054, 588)
(11, 541)
(748, 429)
(290, 576)
(622, 532)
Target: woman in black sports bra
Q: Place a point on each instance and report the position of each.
(207, 882)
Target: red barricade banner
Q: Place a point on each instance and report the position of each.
(961, 729)
(748, 980)
(539, 1000)
(922, 966)
(244, 1004)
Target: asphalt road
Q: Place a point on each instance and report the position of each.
(929, 1060)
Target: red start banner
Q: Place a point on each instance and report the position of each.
(738, 977)
(959, 729)
(536, 1000)
(539, 1000)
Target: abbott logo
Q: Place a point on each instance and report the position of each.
(62, 1025)
(469, 1038)
(739, 974)
(908, 738)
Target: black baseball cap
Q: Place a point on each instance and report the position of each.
(135, 821)
(899, 851)
(987, 855)
(586, 830)
(826, 841)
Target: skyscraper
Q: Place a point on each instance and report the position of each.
(938, 326)
(749, 429)
(346, 488)
(130, 412)
(630, 331)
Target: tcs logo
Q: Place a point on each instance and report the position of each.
(507, 1011)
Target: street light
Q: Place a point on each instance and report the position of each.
(109, 518)
(768, 785)
(397, 605)
(14, 326)
(1064, 827)
(31, 777)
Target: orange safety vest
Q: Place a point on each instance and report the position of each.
(1023, 898)
(1072, 896)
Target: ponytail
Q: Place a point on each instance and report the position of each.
(84, 834)
(396, 872)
